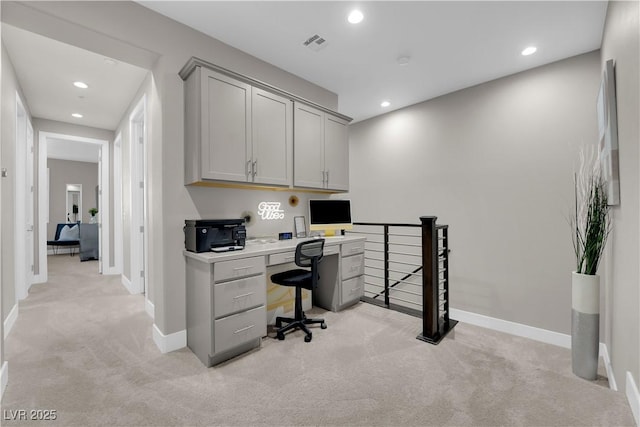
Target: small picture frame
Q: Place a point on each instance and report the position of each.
(300, 226)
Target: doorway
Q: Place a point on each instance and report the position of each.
(139, 246)
(75, 210)
(24, 203)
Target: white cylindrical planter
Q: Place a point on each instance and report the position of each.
(585, 324)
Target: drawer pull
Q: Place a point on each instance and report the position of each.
(244, 329)
(354, 250)
(243, 295)
(242, 268)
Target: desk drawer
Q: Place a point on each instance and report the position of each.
(282, 258)
(331, 250)
(239, 295)
(237, 268)
(352, 248)
(238, 329)
(352, 266)
(352, 289)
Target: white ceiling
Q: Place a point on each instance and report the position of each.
(452, 44)
(46, 70)
(67, 149)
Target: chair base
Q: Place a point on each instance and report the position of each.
(297, 324)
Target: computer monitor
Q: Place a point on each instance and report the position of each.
(330, 215)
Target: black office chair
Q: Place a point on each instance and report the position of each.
(308, 254)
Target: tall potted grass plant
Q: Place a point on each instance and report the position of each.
(591, 226)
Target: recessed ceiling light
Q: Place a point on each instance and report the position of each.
(355, 16)
(385, 104)
(81, 85)
(403, 60)
(77, 115)
(529, 51)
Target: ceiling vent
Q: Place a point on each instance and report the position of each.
(315, 43)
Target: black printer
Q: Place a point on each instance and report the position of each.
(203, 235)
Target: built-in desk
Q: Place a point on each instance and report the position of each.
(228, 308)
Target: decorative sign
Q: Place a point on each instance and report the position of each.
(270, 210)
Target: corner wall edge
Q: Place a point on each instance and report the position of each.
(171, 342)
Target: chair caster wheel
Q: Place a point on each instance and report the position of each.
(280, 336)
(307, 338)
(323, 325)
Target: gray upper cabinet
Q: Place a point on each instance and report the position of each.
(321, 154)
(272, 139)
(336, 153)
(236, 132)
(309, 147)
(243, 131)
(223, 106)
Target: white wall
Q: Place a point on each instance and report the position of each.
(2, 374)
(102, 27)
(8, 99)
(496, 163)
(621, 43)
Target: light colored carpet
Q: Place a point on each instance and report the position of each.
(82, 346)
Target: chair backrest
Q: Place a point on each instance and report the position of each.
(59, 228)
(308, 254)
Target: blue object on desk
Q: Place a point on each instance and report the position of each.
(285, 236)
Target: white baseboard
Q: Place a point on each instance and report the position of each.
(4, 378)
(131, 287)
(518, 329)
(633, 397)
(39, 278)
(110, 271)
(171, 342)
(525, 331)
(604, 353)
(127, 284)
(149, 308)
(10, 320)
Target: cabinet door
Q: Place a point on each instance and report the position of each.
(226, 127)
(336, 153)
(308, 151)
(272, 128)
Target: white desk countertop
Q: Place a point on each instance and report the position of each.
(260, 247)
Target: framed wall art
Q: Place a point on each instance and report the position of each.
(608, 133)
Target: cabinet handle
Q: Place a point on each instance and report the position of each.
(244, 329)
(242, 268)
(255, 168)
(327, 177)
(324, 176)
(249, 168)
(243, 295)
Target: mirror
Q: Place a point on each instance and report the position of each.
(74, 203)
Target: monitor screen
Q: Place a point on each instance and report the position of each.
(330, 214)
